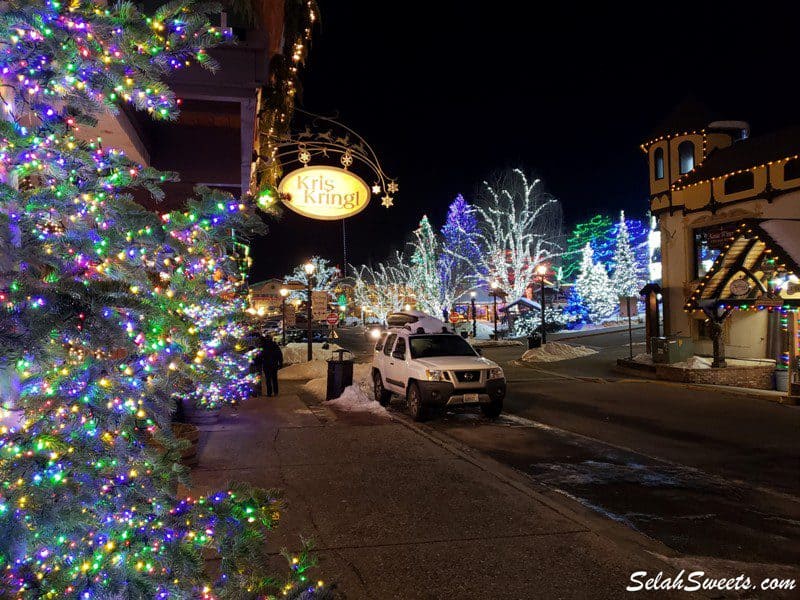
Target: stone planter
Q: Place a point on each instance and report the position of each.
(199, 416)
(183, 431)
(191, 434)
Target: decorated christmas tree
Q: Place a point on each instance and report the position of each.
(460, 253)
(100, 298)
(423, 272)
(625, 279)
(594, 288)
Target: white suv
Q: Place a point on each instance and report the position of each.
(417, 358)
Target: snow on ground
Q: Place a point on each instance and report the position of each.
(704, 362)
(555, 351)
(297, 352)
(304, 370)
(355, 398)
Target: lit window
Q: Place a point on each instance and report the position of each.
(658, 163)
(686, 156)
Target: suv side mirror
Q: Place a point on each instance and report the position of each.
(399, 355)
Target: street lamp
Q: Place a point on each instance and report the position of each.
(542, 271)
(284, 292)
(309, 269)
(474, 316)
(495, 286)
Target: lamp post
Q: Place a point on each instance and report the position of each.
(495, 285)
(542, 270)
(284, 292)
(474, 316)
(309, 269)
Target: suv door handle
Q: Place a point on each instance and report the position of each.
(391, 363)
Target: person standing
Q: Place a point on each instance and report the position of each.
(271, 361)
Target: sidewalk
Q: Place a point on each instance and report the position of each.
(396, 513)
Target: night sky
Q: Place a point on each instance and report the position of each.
(448, 92)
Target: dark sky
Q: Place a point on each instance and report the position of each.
(447, 92)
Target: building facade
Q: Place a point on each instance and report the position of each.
(728, 209)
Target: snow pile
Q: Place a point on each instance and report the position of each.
(358, 397)
(318, 385)
(703, 362)
(555, 351)
(494, 343)
(297, 352)
(304, 370)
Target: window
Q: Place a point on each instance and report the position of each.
(379, 344)
(400, 349)
(739, 182)
(708, 243)
(658, 164)
(387, 348)
(686, 156)
(791, 170)
(426, 346)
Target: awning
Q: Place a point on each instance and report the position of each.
(757, 268)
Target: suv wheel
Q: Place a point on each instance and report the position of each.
(414, 399)
(382, 396)
(493, 409)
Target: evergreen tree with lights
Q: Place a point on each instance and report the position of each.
(460, 252)
(100, 298)
(625, 279)
(423, 272)
(594, 288)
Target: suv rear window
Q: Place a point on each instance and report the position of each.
(426, 346)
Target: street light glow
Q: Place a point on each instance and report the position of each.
(309, 268)
(284, 292)
(495, 284)
(541, 269)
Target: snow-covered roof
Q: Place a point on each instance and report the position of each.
(530, 304)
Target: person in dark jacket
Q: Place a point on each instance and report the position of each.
(271, 361)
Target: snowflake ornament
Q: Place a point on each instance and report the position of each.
(388, 201)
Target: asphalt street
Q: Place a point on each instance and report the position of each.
(691, 468)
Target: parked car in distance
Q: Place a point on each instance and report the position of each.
(433, 368)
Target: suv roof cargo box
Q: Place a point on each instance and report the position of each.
(414, 320)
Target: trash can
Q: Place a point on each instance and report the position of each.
(340, 374)
(534, 340)
(782, 380)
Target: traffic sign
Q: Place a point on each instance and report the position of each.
(332, 319)
(454, 317)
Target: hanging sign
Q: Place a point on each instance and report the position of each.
(324, 193)
(319, 305)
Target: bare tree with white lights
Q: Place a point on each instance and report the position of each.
(520, 228)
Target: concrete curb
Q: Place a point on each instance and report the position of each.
(768, 395)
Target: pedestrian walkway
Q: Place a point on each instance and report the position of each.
(396, 513)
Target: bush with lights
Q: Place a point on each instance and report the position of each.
(98, 296)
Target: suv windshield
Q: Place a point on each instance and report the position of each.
(426, 346)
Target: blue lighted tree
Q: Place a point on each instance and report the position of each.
(460, 252)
